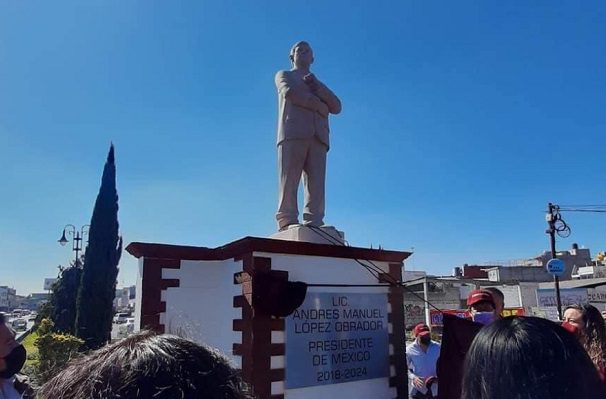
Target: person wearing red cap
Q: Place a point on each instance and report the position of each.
(481, 306)
(457, 336)
(422, 358)
(499, 300)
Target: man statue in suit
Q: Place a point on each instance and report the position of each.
(303, 107)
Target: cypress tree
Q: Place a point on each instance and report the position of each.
(63, 299)
(98, 285)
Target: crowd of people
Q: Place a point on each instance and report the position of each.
(485, 357)
(491, 357)
(143, 365)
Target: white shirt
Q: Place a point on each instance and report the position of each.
(422, 364)
(7, 389)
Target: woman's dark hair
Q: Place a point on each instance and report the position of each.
(593, 338)
(528, 358)
(146, 365)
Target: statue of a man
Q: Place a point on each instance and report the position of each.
(303, 107)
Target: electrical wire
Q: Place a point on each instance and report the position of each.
(582, 206)
(582, 210)
(560, 226)
(373, 268)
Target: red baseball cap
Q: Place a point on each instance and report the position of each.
(420, 330)
(477, 296)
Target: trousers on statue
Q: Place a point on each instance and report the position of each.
(296, 158)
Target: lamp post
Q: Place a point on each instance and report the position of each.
(77, 238)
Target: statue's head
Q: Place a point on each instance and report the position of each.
(301, 54)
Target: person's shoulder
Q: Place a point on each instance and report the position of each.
(411, 348)
(283, 74)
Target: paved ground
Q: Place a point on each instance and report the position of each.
(120, 331)
(30, 324)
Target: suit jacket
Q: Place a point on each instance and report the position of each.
(301, 113)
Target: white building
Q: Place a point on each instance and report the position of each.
(7, 298)
(125, 297)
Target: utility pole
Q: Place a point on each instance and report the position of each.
(551, 218)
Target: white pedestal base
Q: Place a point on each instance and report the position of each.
(318, 235)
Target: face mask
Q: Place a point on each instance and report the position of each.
(570, 328)
(425, 339)
(484, 317)
(14, 362)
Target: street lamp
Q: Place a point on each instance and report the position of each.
(77, 237)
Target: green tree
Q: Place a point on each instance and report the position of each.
(54, 350)
(98, 285)
(44, 312)
(63, 298)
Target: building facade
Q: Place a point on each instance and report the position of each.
(7, 298)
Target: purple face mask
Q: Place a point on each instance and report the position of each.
(484, 317)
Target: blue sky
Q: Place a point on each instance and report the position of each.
(460, 122)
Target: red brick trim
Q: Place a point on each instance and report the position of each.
(278, 325)
(238, 325)
(241, 301)
(170, 282)
(256, 348)
(277, 375)
(153, 284)
(397, 338)
(277, 350)
(248, 245)
(239, 349)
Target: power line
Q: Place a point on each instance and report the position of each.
(582, 206)
(373, 269)
(582, 210)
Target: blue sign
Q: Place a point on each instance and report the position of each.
(337, 337)
(556, 267)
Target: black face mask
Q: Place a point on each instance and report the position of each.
(425, 339)
(14, 362)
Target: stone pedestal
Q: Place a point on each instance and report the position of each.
(345, 340)
(317, 235)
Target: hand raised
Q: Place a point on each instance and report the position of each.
(311, 81)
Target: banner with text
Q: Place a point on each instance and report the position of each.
(337, 337)
(546, 297)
